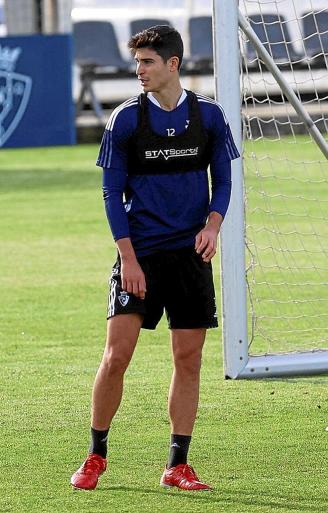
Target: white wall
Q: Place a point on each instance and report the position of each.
(21, 17)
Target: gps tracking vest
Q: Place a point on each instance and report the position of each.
(151, 153)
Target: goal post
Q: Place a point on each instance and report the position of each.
(266, 283)
(233, 283)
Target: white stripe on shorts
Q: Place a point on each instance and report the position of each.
(112, 297)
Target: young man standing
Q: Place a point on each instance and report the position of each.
(155, 151)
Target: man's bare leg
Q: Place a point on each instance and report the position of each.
(187, 348)
(183, 402)
(122, 336)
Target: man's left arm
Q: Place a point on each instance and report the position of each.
(206, 239)
(224, 151)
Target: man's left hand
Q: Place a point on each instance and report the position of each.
(206, 239)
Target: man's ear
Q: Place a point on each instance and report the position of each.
(174, 63)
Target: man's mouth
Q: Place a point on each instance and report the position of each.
(143, 81)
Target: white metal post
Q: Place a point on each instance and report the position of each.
(57, 16)
(227, 87)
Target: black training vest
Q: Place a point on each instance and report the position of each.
(151, 153)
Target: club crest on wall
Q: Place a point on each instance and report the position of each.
(15, 90)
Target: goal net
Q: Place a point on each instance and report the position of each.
(285, 184)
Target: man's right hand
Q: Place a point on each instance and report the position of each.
(133, 278)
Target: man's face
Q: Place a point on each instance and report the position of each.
(152, 71)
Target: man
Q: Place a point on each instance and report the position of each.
(156, 150)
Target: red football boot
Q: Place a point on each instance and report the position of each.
(182, 476)
(86, 477)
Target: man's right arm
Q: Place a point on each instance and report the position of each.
(114, 183)
(113, 159)
(133, 278)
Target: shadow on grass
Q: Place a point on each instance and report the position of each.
(49, 178)
(224, 497)
(319, 379)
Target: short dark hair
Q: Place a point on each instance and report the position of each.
(164, 40)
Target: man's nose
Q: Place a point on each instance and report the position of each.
(139, 68)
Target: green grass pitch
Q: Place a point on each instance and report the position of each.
(261, 444)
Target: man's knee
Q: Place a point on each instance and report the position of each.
(188, 362)
(116, 360)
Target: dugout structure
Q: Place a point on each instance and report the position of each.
(274, 241)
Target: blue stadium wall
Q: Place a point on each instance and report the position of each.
(36, 105)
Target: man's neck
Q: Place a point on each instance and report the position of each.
(168, 99)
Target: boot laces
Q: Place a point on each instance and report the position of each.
(189, 473)
(91, 465)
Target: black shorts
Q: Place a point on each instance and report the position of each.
(178, 282)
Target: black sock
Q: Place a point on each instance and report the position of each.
(99, 442)
(178, 450)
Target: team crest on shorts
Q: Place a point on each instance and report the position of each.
(123, 298)
(15, 90)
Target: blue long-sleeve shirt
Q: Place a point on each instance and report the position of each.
(164, 211)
